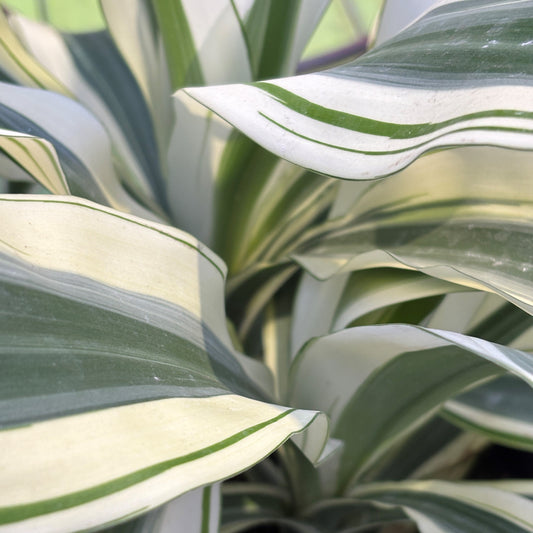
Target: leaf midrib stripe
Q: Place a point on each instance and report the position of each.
(400, 150)
(26, 511)
(369, 126)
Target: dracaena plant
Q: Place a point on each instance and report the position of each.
(313, 354)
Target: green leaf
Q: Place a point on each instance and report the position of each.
(459, 75)
(352, 515)
(245, 499)
(449, 507)
(276, 33)
(500, 410)
(437, 450)
(388, 380)
(260, 38)
(113, 339)
(465, 225)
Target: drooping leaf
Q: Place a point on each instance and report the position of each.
(436, 84)
(113, 339)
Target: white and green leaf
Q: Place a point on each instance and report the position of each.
(388, 380)
(500, 410)
(465, 225)
(93, 70)
(209, 161)
(62, 146)
(440, 507)
(113, 338)
(438, 83)
(18, 65)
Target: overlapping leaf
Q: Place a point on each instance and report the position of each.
(61, 145)
(465, 224)
(234, 195)
(438, 84)
(379, 382)
(95, 73)
(113, 340)
(501, 410)
(440, 507)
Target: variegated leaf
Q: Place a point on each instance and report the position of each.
(436, 84)
(113, 340)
